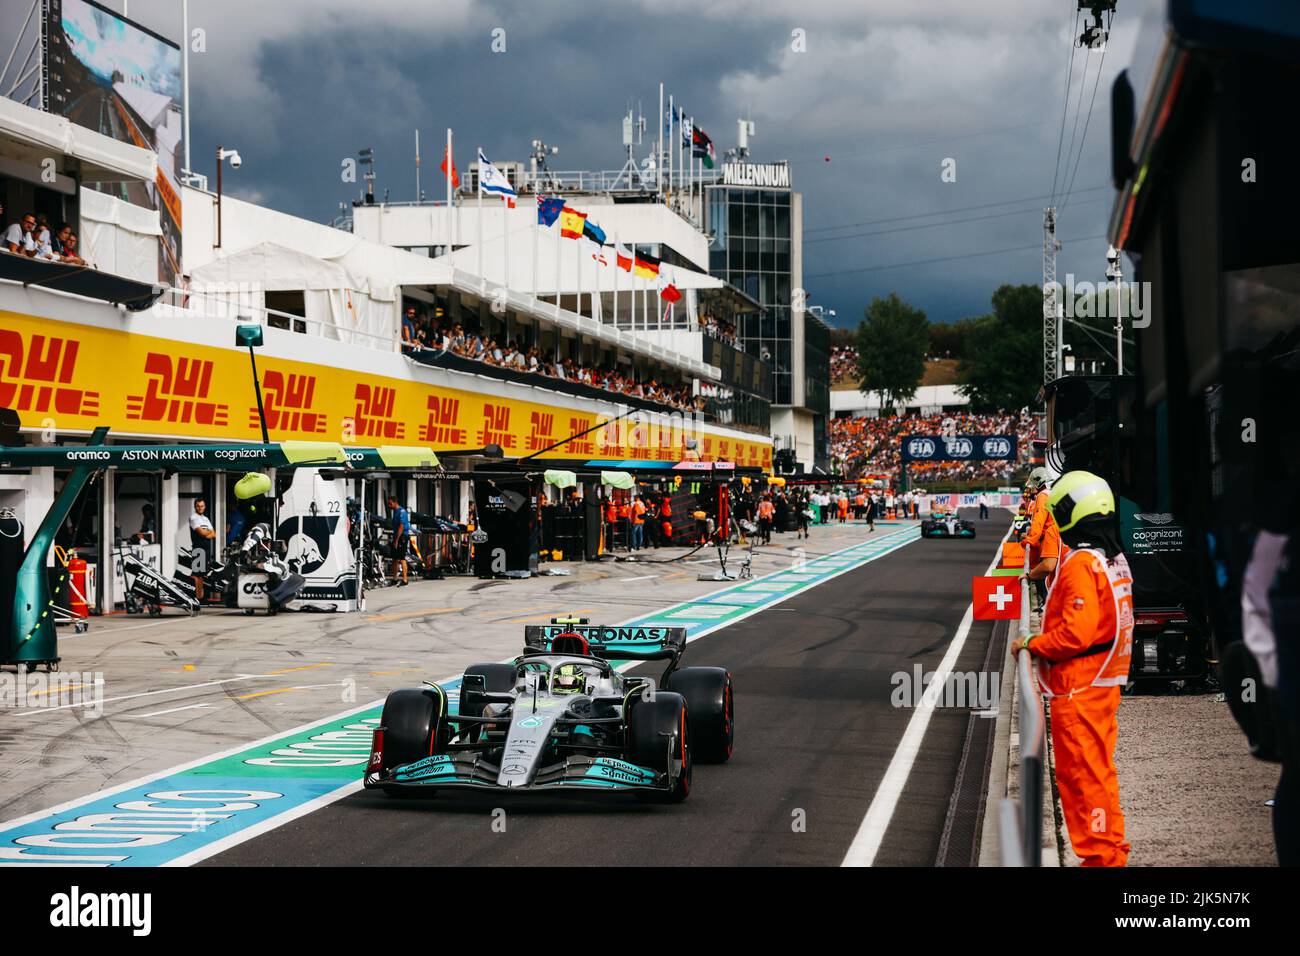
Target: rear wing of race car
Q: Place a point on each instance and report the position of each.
(636, 643)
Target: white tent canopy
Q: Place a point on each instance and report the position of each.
(119, 237)
(337, 304)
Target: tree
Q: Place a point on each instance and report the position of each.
(1002, 367)
(892, 340)
(948, 340)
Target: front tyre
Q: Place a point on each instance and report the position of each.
(658, 738)
(414, 724)
(710, 705)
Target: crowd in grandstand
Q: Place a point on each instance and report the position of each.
(844, 364)
(719, 329)
(423, 332)
(873, 445)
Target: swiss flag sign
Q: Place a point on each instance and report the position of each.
(995, 599)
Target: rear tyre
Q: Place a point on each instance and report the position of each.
(710, 705)
(414, 721)
(658, 738)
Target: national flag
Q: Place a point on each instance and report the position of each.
(623, 255)
(670, 293)
(492, 180)
(548, 210)
(702, 146)
(595, 250)
(995, 598)
(647, 267)
(572, 223)
(593, 232)
(448, 161)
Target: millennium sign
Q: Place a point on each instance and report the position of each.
(773, 175)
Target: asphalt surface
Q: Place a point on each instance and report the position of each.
(816, 730)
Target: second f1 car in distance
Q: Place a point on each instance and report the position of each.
(560, 717)
(946, 524)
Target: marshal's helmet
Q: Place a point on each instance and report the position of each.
(1078, 496)
(568, 679)
(1039, 479)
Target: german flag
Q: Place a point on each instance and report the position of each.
(647, 267)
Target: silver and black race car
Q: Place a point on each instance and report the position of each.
(946, 524)
(561, 717)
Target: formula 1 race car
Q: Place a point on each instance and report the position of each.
(560, 717)
(946, 524)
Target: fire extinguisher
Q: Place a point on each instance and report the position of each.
(77, 586)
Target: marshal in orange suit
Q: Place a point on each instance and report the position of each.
(1082, 657)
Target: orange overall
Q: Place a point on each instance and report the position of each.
(1083, 655)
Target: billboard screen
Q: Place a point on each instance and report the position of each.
(113, 76)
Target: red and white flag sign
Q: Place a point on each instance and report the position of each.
(995, 599)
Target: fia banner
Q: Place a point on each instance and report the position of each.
(959, 448)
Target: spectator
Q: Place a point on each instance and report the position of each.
(19, 238)
(70, 253)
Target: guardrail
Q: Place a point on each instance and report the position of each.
(1020, 829)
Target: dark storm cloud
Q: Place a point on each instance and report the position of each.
(887, 90)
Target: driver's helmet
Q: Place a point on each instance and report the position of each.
(568, 679)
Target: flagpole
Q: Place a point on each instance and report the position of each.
(482, 277)
(537, 229)
(557, 227)
(616, 271)
(658, 159)
(451, 225)
(418, 197)
(681, 163)
(671, 116)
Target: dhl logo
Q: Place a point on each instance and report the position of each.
(541, 430)
(176, 392)
(496, 426)
(288, 401)
(586, 445)
(36, 378)
(440, 428)
(373, 418)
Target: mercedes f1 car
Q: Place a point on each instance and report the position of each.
(561, 717)
(946, 524)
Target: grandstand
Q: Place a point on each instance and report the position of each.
(862, 446)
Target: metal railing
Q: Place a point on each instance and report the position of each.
(1021, 822)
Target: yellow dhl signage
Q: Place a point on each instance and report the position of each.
(65, 376)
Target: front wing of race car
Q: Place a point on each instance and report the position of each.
(469, 771)
(931, 528)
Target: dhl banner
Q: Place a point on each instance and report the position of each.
(71, 377)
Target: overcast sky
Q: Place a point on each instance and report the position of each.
(886, 89)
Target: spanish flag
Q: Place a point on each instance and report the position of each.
(572, 223)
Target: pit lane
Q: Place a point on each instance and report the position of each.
(817, 729)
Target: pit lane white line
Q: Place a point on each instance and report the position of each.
(866, 843)
(171, 710)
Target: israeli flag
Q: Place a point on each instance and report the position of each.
(492, 180)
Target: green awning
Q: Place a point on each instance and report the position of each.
(617, 479)
(560, 479)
